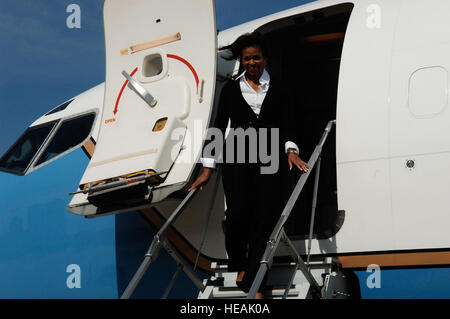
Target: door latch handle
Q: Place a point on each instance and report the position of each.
(140, 90)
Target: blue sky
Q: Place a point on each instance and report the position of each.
(43, 63)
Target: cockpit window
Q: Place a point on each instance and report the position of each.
(60, 107)
(43, 143)
(70, 134)
(20, 155)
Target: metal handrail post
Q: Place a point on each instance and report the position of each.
(186, 267)
(172, 281)
(150, 256)
(258, 279)
(177, 212)
(273, 242)
(313, 210)
(299, 265)
(208, 216)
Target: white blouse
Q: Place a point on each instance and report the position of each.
(253, 98)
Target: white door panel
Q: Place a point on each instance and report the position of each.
(168, 50)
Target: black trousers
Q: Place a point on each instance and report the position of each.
(253, 209)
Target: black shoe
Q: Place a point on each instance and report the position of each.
(241, 285)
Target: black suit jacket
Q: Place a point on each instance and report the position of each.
(276, 111)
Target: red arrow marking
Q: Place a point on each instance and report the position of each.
(121, 91)
(176, 57)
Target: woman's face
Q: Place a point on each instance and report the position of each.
(253, 61)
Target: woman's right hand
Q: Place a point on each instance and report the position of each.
(202, 179)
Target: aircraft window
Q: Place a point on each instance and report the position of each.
(60, 107)
(70, 134)
(20, 155)
(153, 65)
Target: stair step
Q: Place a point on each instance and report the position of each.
(223, 284)
(235, 292)
(223, 267)
(236, 288)
(219, 266)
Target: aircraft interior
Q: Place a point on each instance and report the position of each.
(305, 51)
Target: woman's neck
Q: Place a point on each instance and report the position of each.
(254, 79)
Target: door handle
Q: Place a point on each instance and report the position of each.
(140, 90)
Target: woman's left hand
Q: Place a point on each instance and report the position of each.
(294, 159)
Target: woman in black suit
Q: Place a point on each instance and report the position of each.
(253, 101)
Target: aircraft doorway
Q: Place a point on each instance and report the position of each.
(305, 51)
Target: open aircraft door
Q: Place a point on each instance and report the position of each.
(160, 78)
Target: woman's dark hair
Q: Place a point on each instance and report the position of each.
(245, 41)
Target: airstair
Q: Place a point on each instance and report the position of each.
(289, 275)
(223, 286)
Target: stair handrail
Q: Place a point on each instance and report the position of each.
(156, 244)
(275, 237)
